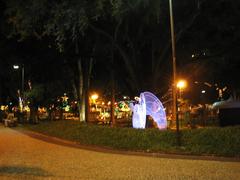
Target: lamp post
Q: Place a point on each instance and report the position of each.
(174, 87)
(21, 94)
(22, 74)
(181, 84)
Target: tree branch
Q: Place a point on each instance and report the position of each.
(178, 37)
(121, 52)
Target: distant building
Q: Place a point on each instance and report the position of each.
(229, 112)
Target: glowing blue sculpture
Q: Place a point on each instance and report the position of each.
(148, 104)
(139, 113)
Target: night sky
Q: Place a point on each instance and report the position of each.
(207, 43)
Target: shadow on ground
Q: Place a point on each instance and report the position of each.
(23, 170)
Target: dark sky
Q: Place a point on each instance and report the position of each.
(207, 52)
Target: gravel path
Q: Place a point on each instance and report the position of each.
(23, 157)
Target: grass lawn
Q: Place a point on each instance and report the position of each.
(208, 141)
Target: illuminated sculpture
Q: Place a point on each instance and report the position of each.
(148, 104)
(139, 113)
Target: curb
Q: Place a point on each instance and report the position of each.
(73, 144)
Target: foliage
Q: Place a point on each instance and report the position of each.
(36, 93)
(136, 32)
(72, 20)
(207, 141)
(41, 94)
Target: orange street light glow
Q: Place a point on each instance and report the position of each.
(94, 97)
(181, 84)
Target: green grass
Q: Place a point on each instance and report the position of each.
(219, 141)
(207, 141)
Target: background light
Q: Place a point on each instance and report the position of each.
(15, 66)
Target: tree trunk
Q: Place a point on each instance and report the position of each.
(84, 67)
(50, 114)
(113, 120)
(33, 115)
(81, 93)
(88, 71)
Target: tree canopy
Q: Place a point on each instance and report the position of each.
(137, 33)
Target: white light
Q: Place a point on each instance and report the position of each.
(15, 66)
(136, 98)
(203, 91)
(207, 84)
(225, 88)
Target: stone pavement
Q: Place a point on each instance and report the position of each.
(24, 157)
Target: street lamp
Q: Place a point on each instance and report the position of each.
(16, 66)
(21, 93)
(174, 92)
(94, 97)
(181, 84)
(174, 87)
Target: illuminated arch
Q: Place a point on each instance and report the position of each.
(155, 109)
(150, 105)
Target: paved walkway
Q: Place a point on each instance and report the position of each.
(24, 157)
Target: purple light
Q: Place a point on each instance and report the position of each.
(150, 105)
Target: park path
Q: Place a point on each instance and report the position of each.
(24, 157)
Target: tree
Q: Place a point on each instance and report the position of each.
(137, 32)
(213, 40)
(66, 22)
(34, 97)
